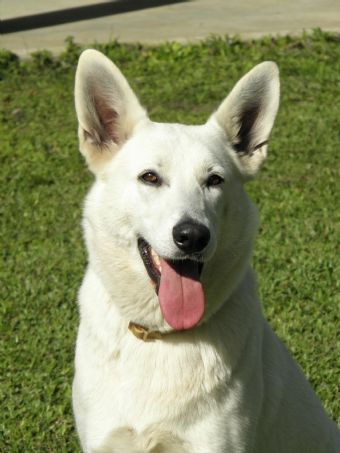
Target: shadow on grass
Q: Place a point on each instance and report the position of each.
(79, 13)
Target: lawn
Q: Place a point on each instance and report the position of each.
(44, 179)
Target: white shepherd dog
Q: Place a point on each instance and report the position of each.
(173, 353)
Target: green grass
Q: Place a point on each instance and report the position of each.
(44, 179)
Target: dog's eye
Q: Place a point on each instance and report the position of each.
(150, 177)
(214, 180)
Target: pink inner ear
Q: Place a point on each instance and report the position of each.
(108, 119)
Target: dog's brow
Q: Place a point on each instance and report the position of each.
(260, 145)
(216, 167)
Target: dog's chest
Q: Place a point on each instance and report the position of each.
(163, 381)
(152, 384)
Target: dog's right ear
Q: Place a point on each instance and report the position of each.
(107, 109)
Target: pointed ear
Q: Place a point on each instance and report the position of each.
(107, 109)
(247, 116)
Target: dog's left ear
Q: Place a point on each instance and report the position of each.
(247, 116)
(108, 110)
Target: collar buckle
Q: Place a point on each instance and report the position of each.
(143, 333)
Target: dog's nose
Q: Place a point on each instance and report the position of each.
(190, 236)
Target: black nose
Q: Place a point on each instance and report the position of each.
(190, 237)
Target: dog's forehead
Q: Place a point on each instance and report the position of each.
(168, 144)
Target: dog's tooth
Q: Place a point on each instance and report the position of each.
(156, 259)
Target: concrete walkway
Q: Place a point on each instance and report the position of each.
(186, 21)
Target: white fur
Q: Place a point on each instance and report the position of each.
(227, 385)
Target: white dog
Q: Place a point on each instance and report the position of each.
(173, 354)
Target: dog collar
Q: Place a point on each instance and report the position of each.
(145, 334)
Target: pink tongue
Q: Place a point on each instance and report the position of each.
(180, 294)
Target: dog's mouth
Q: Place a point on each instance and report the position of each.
(177, 284)
(151, 262)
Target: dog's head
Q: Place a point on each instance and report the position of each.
(168, 225)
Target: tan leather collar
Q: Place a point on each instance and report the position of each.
(143, 333)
